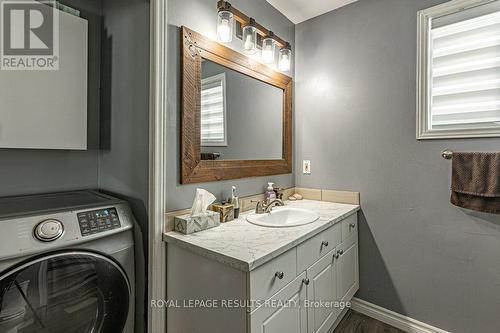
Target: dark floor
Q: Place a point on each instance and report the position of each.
(355, 322)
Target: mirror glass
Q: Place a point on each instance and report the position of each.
(241, 117)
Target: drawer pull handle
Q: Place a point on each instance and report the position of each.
(279, 275)
(340, 252)
(305, 281)
(324, 243)
(352, 225)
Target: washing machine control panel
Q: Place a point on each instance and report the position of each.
(96, 221)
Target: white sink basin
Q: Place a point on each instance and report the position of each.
(282, 217)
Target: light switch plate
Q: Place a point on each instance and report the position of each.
(306, 167)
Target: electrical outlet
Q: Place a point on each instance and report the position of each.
(306, 167)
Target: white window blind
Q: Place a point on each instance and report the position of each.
(213, 111)
(466, 73)
(461, 73)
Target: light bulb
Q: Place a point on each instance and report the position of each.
(249, 45)
(224, 32)
(268, 49)
(267, 56)
(225, 26)
(284, 64)
(250, 37)
(285, 58)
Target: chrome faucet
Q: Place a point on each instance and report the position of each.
(268, 207)
(263, 207)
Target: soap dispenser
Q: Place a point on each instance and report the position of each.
(270, 195)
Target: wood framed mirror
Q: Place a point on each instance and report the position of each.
(236, 118)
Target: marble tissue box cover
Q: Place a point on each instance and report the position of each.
(188, 224)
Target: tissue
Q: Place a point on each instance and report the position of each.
(202, 200)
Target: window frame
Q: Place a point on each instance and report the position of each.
(215, 78)
(424, 19)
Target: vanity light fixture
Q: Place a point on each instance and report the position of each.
(268, 48)
(250, 37)
(285, 58)
(225, 23)
(229, 17)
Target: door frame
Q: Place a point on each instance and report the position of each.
(157, 164)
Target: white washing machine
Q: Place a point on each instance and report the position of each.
(66, 264)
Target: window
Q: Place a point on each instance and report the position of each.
(458, 86)
(213, 111)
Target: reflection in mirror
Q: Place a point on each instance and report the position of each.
(241, 117)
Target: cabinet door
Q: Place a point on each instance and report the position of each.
(348, 275)
(322, 293)
(284, 312)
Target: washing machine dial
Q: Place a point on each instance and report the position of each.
(49, 230)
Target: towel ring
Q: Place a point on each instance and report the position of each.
(447, 154)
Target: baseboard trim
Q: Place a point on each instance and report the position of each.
(397, 320)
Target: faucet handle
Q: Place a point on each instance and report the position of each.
(279, 192)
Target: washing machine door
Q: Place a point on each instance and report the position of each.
(65, 292)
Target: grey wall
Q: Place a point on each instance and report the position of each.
(35, 171)
(124, 153)
(200, 15)
(254, 116)
(355, 108)
(123, 160)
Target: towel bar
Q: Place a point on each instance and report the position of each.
(447, 154)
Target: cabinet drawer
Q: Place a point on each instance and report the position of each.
(313, 249)
(269, 278)
(348, 242)
(290, 319)
(349, 226)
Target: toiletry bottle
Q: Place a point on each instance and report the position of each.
(269, 194)
(235, 201)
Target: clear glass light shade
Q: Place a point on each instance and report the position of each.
(225, 24)
(250, 39)
(268, 50)
(285, 59)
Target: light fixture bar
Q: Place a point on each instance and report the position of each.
(245, 20)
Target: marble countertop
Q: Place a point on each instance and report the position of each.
(246, 246)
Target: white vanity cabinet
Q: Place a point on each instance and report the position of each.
(327, 270)
(297, 291)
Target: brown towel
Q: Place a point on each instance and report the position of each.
(475, 181)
